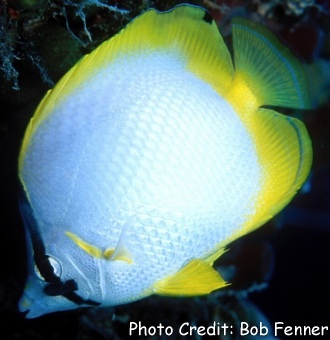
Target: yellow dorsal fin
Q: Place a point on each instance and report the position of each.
(268, 68)
(198, 277)
(186, 32)
(285, 152)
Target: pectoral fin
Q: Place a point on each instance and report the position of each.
(122, 255)
(111, 254)
(87, 247)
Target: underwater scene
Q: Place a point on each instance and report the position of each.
(164, 169)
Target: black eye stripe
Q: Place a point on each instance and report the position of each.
(55, 286)
(41, 260)
(67, 289)
(60, 288)
(78, 300)
(46, 269)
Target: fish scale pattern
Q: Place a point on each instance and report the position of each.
(161, 166)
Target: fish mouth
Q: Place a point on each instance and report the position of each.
(24, 306)
(26, 313)
(25, 310)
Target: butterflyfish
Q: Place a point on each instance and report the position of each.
(152, 154)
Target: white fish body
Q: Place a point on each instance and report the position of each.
(137, 174)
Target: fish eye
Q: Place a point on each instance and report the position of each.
(48, 269)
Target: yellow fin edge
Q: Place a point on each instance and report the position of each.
(182, 31)
(285, 153)
(198, 277)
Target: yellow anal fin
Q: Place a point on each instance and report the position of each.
(214, 256)
(285, 153)
(269, 69)
(198, 277)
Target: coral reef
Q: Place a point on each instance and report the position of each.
(8, 28)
